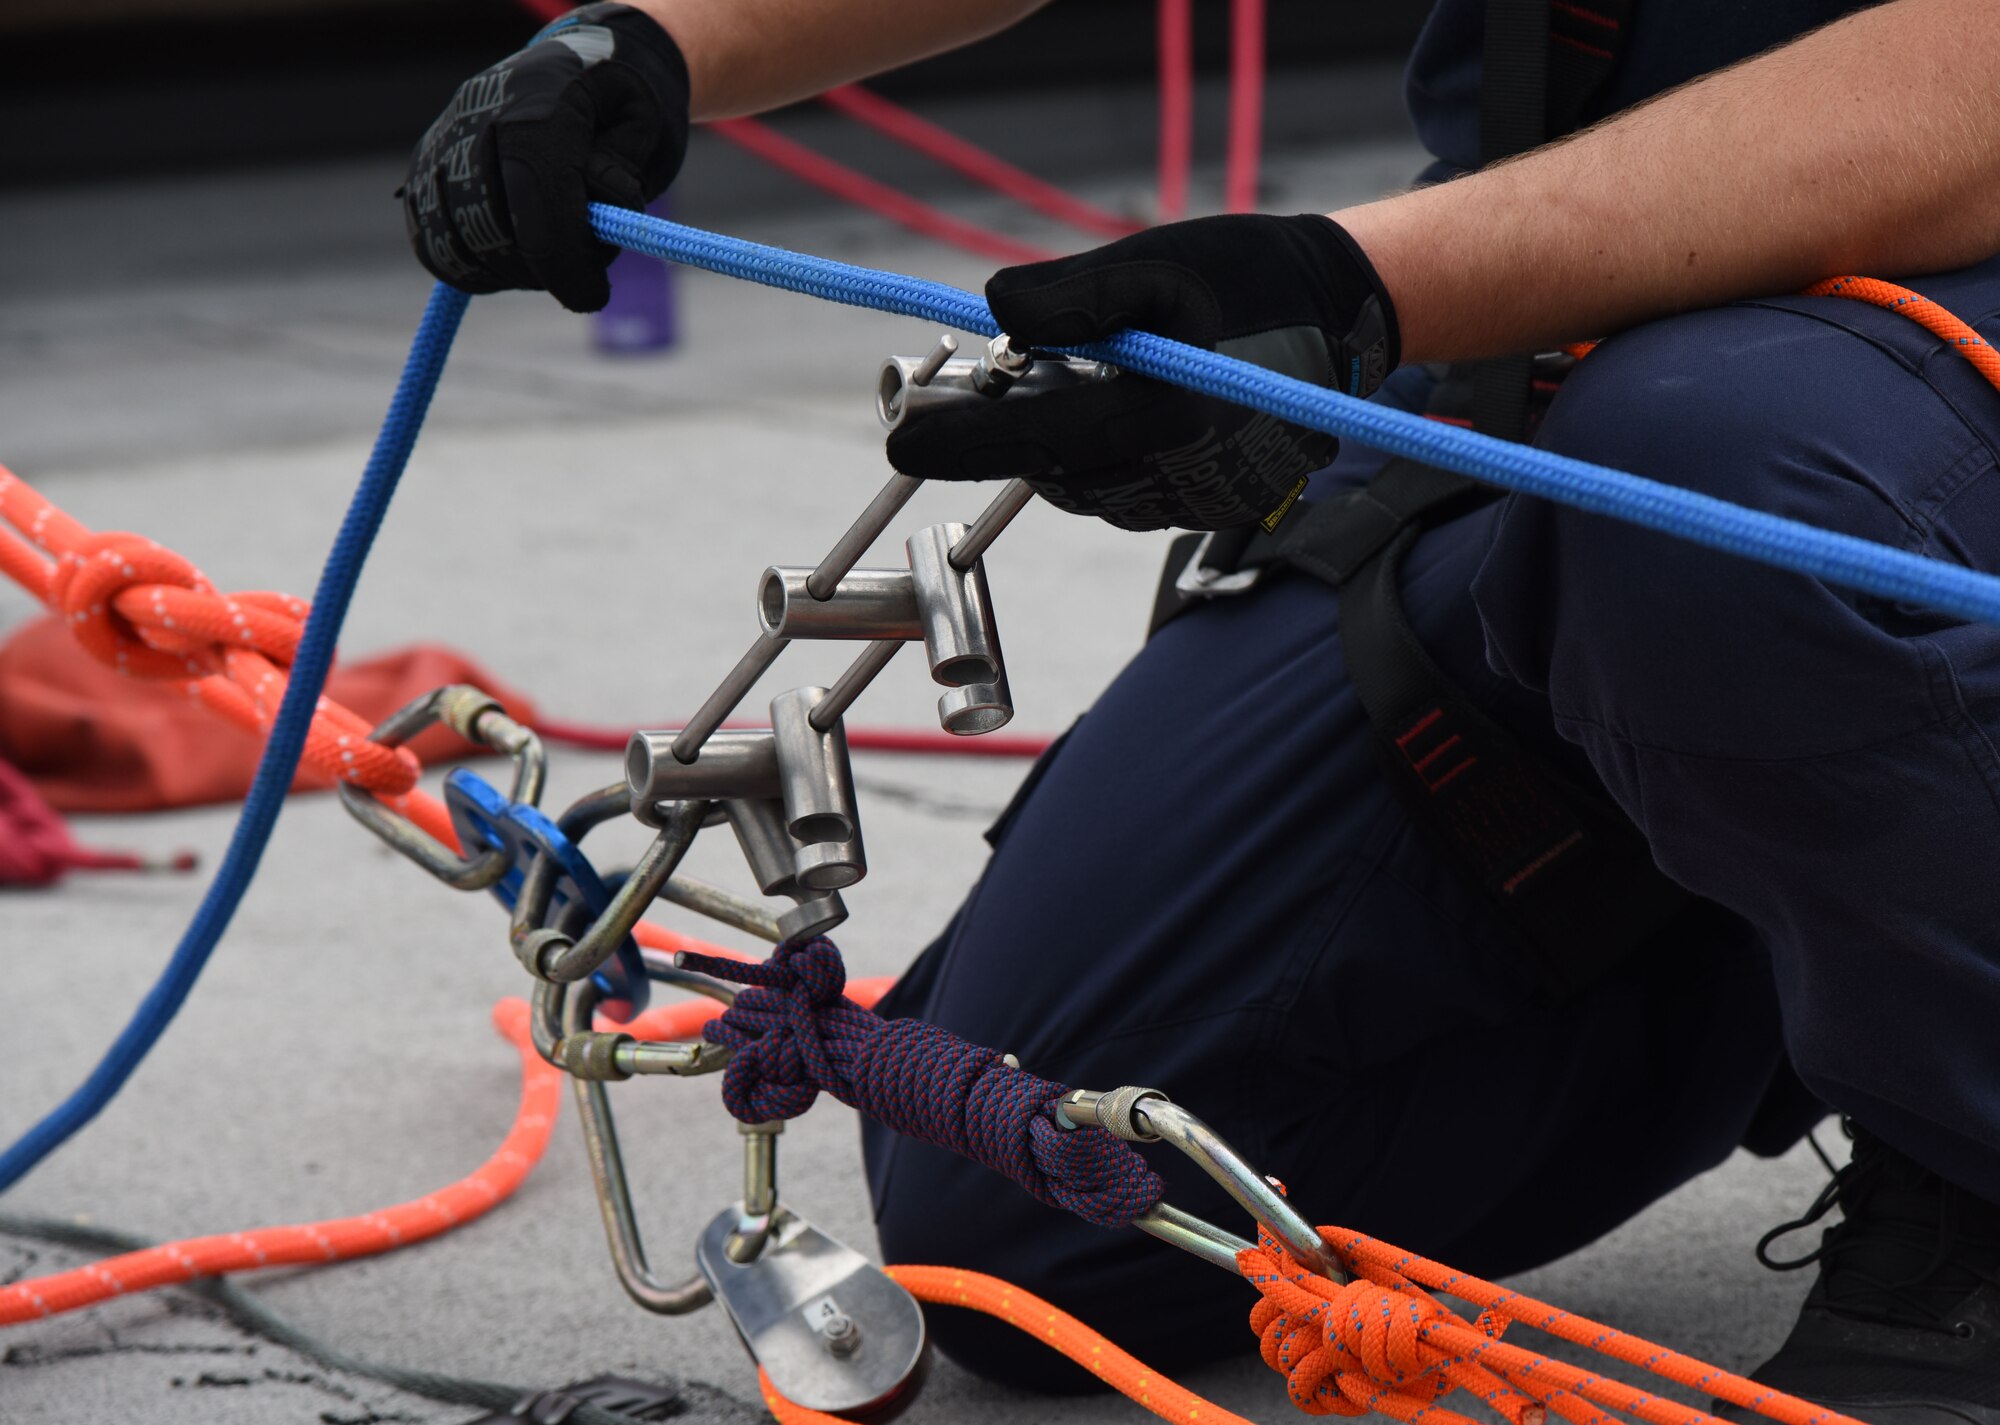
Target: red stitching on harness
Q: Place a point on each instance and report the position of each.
(1588, 16)
(1419, 725)
(1512, 882)
(1435, 753)
(1592, 50)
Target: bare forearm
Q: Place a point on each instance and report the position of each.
(1872, 145)
(748, 55)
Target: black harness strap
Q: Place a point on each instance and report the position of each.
(1565, 868)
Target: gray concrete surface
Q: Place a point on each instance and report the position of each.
(204, 363)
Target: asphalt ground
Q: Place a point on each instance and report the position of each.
(204, 362)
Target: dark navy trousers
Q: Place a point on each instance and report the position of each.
(1209, 888)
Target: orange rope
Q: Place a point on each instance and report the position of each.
(1921, 310)
(149, 613)
(1382, 1342)
(1123, 1372)
(316, 1243)
(1887, 295)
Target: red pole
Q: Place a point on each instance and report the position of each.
(1176, 105)
(1246, 104)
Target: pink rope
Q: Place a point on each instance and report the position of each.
(860, 739)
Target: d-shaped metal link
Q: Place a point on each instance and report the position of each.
(614, 1191)
(1146, 1116)
(476, 716)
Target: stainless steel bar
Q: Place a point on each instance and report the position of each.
(567, 962)
(721, 905)
(1011, 500)
(847, 552)
(722, 702)
(614, 1191)
(851, 684)
(1192, 1234)
(760, 1191)
(1175, 1125)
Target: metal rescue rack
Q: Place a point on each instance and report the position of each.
(831, 1329)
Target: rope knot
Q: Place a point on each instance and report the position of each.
(1376, 1343)
(792, 1029)
(794, 1033)
(103, 571)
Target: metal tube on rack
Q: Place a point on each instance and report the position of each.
(845, 554)
(954, 607)
(767, 845)
(865, 604)
(722, 702)
(976, 708)
(818, 784)
(735, 762)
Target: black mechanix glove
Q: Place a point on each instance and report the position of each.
(595, 108)
(1296, 295)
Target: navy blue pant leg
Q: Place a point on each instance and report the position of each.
(1823, 763)
(1209, 889)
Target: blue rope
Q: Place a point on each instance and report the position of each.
(1770, 539)
(1837, 558)
(281, 754)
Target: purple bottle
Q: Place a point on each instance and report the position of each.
(640, 317)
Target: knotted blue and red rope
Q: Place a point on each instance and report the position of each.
(795, 1034)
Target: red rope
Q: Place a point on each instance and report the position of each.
(1176, 105)
(860, 739)
(963, 156)
(1246, 104)
(823, 173)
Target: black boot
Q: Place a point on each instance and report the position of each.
(1903, 1325)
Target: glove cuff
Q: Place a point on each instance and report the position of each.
(1371, 342)
(642, 44)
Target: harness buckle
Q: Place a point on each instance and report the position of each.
(1198, 581)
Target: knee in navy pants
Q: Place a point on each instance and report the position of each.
(1821, 763)
(1210, 890)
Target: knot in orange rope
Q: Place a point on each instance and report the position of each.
(88, 584)
(149, 613)
(1376, 1343)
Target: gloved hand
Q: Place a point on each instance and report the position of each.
(595, 107)
(1295, 294)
